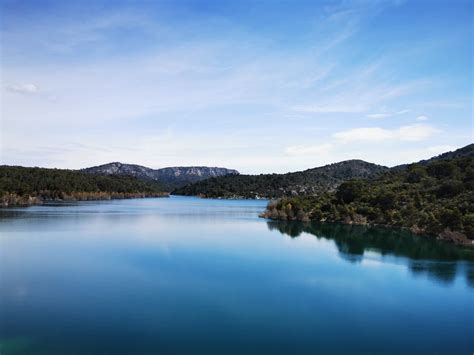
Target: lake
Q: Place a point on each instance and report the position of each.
(194, 276)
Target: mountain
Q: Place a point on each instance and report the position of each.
(170, 178)
(303, 183)
(308, 182)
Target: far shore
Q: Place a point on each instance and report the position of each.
(14, 200)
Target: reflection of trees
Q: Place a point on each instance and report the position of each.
(470, 274)
(293, 229)
(444, 271)
(428, 256)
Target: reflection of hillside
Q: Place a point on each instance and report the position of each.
(436, 259)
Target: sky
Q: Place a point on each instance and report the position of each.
(258, 86)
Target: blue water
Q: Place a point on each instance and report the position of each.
(194, 276)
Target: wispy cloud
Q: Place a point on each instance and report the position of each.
(309, 150)
(331, 108)
(387, 114)
(362, 90)
(402, 112)
(416, 132)
(379, 115)
(23, 88)
(422, 118)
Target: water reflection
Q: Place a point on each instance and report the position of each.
(423, 256)
(188, 275)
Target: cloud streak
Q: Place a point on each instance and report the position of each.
(411, 133)
(23, 88)
(298, 150)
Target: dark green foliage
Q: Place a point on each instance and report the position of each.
(54, 183)
(450, 188)
(303, 183)
(350, 191)
(427, 197)
(442, 169)
(450, 217)
(415, 174)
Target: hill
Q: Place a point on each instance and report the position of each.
(434, 197)
(170, 178)
(28, 186)
(467, 151)
(308, 182)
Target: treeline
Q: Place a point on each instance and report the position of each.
(26, 186)
(308, 182)
(435, 198)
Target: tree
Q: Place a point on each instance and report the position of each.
(350, 191)
(415, 174)
(451, 217)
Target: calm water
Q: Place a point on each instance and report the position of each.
(193, 276)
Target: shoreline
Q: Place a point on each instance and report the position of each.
(234, 197)
(447, 235)
(14, 200)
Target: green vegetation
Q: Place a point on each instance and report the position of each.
(26, 186)
(308, 182)
(435, 198)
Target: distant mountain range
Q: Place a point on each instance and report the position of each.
(303, 183)
(169, 178)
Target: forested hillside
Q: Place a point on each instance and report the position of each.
(26, 186)
(308, 182)
(434, 198)
(467, 151)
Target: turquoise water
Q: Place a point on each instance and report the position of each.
(193, 276)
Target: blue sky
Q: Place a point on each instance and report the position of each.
(260, 86)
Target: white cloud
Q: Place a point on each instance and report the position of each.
(309, 149)
(402, 112)
(422, 118)
(364, 134)
(23, 88)
(379, 115)
(416, 132)
(387, 114)
(332, 108)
